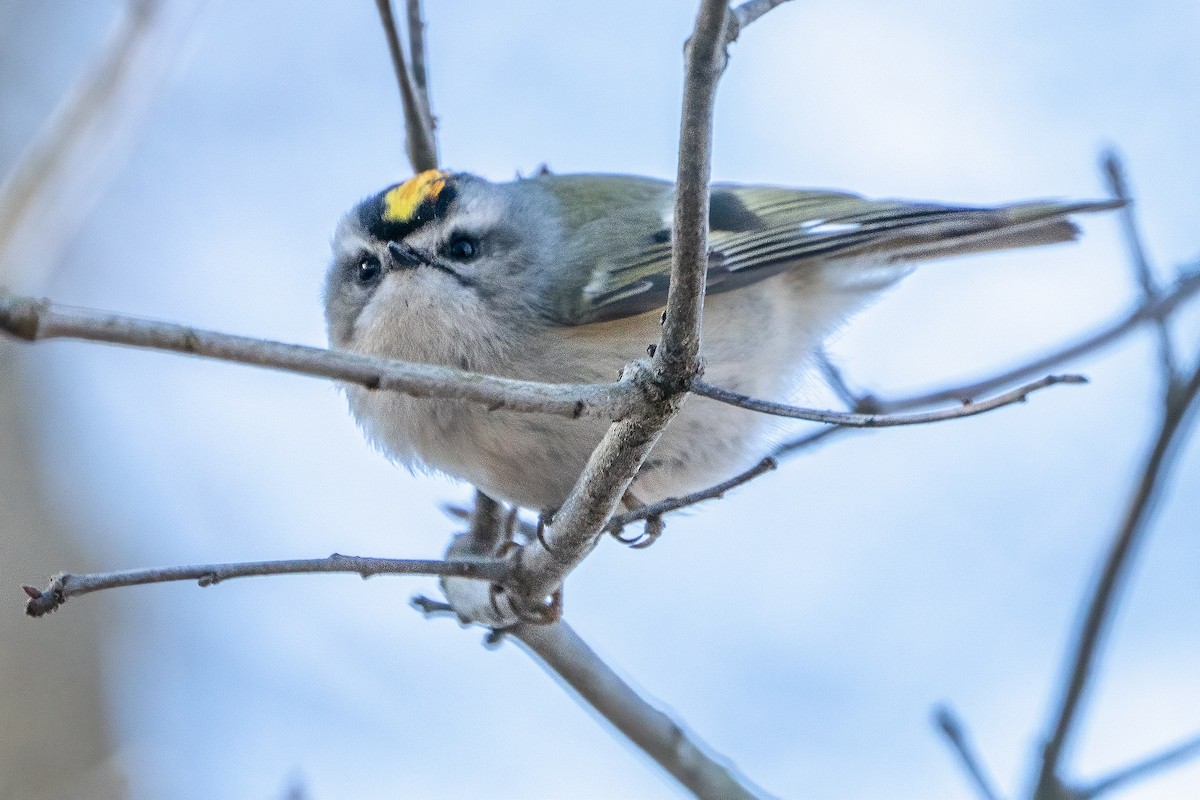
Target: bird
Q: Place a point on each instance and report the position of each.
(563, 279)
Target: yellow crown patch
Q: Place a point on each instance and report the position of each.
(401, 203)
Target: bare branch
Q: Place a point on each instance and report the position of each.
(1114, 171)
(1162, 306)
(416, 52)
(1172, 429)
(564, 654)
(65, 585)
(853, 420)
(541, 566)
(35, 320)
(837, 382)
(952, 728)
(1143, 769)
(418, 124)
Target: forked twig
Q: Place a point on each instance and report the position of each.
(421, 145)
(1178, 411)
(1177, 415)
(670, 504)
(36, 320)
(1114, 172)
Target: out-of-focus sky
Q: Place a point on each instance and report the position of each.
(804, 626)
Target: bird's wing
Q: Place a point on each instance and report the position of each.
(757, 232)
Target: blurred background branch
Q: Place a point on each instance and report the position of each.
(1177, 415)
(47, 191)
(952, 728)
(1170, 757)
(64, 169)
(1179, 399)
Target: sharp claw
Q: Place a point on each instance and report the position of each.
(627, 540)
(549, 612)
(648, 536)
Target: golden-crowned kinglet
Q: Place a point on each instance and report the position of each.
(562, 278)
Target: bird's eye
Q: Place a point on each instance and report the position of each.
(369, 270)
(462, 248)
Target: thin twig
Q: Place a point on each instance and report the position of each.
(65, 585)
(853, 420)
(1114, 172)
(800, 443)
(1176, 417)
(837, 382)
(35, 320)
(620, 521)
(675, 503)
(751, 10)
(418, 125)
(1165, 304)
(1142, 769)
(564, 654)
(952, 728)
(1150, 310)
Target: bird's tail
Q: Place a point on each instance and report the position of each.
(1024, 224)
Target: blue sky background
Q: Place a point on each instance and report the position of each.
(806, 625)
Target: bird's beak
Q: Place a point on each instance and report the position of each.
(405, 255)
